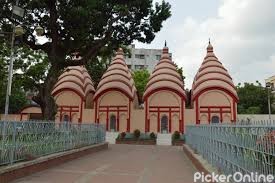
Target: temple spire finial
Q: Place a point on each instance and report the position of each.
(165, 44)
(209, 47)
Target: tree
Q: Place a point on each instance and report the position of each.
(180, 71)
(141, 78)
(83, 26)
(253, 99)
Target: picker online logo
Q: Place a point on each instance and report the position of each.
(237, 177)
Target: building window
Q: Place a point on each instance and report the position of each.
(139, 67)
(140, 56)
(129, 66)
(158, 57)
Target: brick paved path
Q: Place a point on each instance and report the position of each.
(122, 164)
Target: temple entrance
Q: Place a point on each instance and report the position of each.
(215, 119)
(164, 124)
(66, 118)
(113, 123)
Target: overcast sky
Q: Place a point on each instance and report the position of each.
(242, 33)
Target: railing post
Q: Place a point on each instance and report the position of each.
(97, 134)
(13, 143)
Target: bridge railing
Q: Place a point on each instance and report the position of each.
(28, 140)
(235, 148)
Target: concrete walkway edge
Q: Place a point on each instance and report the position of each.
(19, 170)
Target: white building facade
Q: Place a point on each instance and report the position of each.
(142, 58)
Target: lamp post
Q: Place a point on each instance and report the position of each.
(269, 87)
(16, 31)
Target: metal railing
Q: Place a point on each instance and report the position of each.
(235, 148)
(256, 122)
(28, 140)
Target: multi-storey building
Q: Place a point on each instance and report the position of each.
(141, 58)
(271, 81)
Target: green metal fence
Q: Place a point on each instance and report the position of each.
(235, 148)
(30, 139)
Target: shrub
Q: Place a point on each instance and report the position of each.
(137, 133)
(152, 135)
(176, 135)
(122, 135)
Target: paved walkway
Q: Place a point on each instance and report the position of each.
(122, 164)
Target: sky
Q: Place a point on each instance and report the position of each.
(242, 33)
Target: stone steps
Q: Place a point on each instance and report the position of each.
(164, 139)
(111, 137)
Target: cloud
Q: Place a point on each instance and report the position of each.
(242, 33)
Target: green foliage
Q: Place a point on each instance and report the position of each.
(141, 78)
(253, 99)
(81, 26)
(137, 133)
(176, 135)
(97, 68)
(153, 135)
(180, 71)
(122, 135)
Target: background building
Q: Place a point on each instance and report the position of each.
(142, 58)
(271, 80)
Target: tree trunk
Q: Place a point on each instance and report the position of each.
(45, 98)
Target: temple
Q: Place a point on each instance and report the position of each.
(114, 102)
(213, 92)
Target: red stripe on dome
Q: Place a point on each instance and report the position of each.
(70, 81)
(212, 72)
(111, 69)
(218, 66)
(211, 79)
(173, 69)
(158, 80)
(123, 64)
(118, 80)
(165, 73)
(210, 56)
(166, 61)
(206, 61)
(107, 75)
(76, 69)
(74, 75)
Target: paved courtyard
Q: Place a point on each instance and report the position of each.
(122, 164)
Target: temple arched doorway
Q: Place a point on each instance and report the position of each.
(113, 123)
(215, 119)
(164, 124)
(66, 118)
